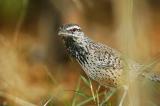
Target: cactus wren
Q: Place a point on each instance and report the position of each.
(100, 62)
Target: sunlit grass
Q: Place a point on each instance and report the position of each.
(24, 82)
(93, 97)
(85, 93)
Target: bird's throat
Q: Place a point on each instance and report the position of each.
(76, 50)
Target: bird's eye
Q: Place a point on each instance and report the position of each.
(74, 29)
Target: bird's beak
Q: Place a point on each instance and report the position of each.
(61, 33)
(64, 34)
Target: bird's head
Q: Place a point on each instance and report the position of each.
(71, 31)
(75, 41)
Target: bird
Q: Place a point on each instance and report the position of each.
(100, 62)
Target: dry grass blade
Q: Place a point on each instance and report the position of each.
(50, 75)
(97, 95)
(48, 102)
(88, 100)
(75, 95)
(92, 91)
(4, 41)
(151, 63)
(17, 100)
(85, 81)
(107, 96)
(80, 93)
(21, 19)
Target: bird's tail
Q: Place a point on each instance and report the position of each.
(146, 70)
(152, 76)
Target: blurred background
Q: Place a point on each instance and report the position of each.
(34, 66)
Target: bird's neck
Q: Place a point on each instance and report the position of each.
(78, 49)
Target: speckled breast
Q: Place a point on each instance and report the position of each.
(105, 76)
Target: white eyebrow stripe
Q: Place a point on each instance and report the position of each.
(77, 27)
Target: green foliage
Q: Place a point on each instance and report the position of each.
(10, 10)
(82, 98)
